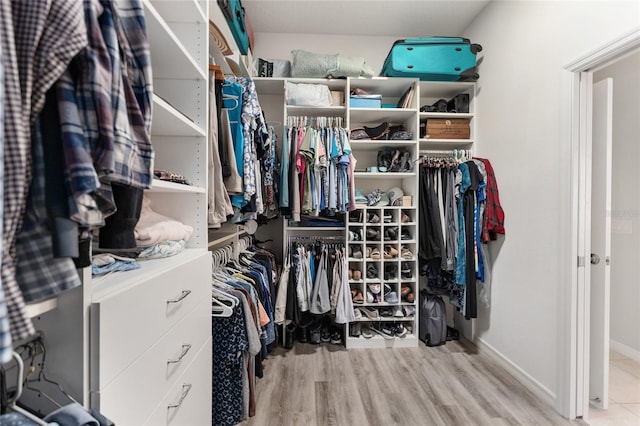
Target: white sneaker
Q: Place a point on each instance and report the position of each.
(357, 313)
(397, 312)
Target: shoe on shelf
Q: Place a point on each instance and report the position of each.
(404, 218)
(356, 253)
(357, 313)
(375, 253)
(390, 272)
(350, 274)
(356, 296)
(355, 216)
(404, 290)
(404, 235)
(385, 330)
(399, 330)
(373, 218)
(386, 312)
(391, 297)
(374, 288)
(390, 252)
(391, 234)
(405, 271)
(366, 331)
(370, 297)
(388, 217)
(409, 311)
(406, 253)
(355, 329)
(397, 312)
(370, 313)
(372, 271)
(373, 234)
(357, 275)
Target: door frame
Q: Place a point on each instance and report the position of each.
(573, 386)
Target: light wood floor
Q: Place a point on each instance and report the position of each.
(624, 394)
(446, 385)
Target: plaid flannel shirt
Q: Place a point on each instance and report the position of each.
(493, 223)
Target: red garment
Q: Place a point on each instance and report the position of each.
(493, 223)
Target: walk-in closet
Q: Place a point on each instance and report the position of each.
(251, 213)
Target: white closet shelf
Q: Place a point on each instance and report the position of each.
(116, 282)
(39, 308)
(373, 145)
(332, 111)
(444, 89)
(445, 143)
(165, 186)
(445, 115)
(171, 60)
(377, 115)
(315, 228)
(168, 121)
(179, 10)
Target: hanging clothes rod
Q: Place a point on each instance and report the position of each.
(315, 238)
(445, 152)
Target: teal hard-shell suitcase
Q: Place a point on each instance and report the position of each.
(433, 59)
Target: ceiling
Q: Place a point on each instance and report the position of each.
(394, 18)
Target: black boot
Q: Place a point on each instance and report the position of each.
(289, 335)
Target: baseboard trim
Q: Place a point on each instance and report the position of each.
(625, 350)
(537, 388)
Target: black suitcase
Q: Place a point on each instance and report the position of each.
(433, 59)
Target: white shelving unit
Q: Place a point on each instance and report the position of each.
(272, 100)
(132, 344)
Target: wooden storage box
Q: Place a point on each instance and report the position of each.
(448, 128)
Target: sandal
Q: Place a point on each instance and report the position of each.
(406, 253)
(390, 252)
(375, 253)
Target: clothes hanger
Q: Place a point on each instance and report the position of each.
(35, 347)
(13, 403)
(218, 308)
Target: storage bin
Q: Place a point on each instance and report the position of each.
(448, 128)
(362, 102)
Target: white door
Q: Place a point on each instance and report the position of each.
(602, 140)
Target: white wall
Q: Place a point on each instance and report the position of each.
(521, 130)
(625, 203)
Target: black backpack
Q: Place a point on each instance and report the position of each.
(432, 328)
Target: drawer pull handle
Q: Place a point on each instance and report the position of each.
(185, 349)
(186, 387)
(184, 294)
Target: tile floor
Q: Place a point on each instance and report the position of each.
(624, 394)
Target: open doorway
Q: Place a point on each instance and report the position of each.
(619, 351)
(592, 314)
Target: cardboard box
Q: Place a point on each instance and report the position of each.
(406, 201)
(337, 98)
(448, 128)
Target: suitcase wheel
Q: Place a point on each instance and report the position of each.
(475, 48)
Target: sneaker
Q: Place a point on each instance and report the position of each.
(373, 218)
(325, 334)
(336, 336)
(355, 329)
(370, 313)
(366, 331)
(406, 253)
(387, 218)
(399, 330)
(374, 288)
(404, 235)
(385, 330)
(386, 312)
(315, 335)
(409, 311)
(397, 312)
(357, 313)
(369, 297)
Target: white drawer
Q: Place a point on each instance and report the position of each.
(188, 402)
(125, 324)
(134, 393)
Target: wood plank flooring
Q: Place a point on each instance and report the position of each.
(446, 385)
